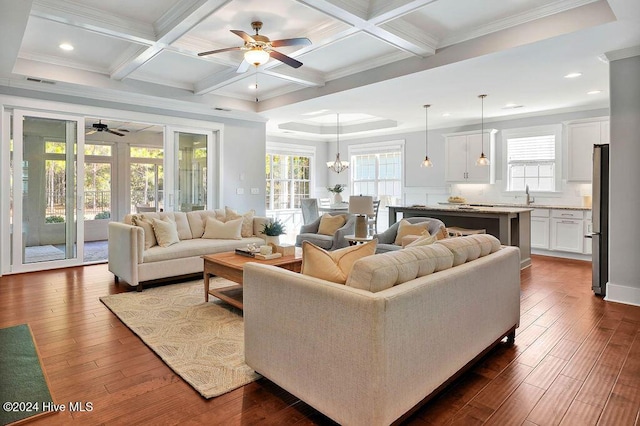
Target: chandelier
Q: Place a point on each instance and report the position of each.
(338, 165)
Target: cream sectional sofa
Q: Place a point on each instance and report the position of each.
(130, 262)
(405, 324)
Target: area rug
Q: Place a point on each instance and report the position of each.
(23, 385)
(203, 342)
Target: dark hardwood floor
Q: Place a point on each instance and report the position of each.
(576, 360)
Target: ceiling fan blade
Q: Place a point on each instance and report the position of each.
(90, 132)
(211, 52)
(123, 130)
(115, 133)
(286, 59)
(246, 37)
(244, 66)
(300, 41)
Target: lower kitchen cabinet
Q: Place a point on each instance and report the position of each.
(567, 235)
(561, 231)
(540, 229)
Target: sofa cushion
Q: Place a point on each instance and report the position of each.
(166, 231)
(334, 265)
(330, 224)
(383, 271)
(147, 227)
(407, 228)
(488, 243)
(415, 241)
(230, 230)
(466, 249)
(196, 248)
(197, 220)
(247, 220)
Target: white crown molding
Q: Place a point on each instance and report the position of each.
(80, 15)
(63, 62)
(365, 66)
(413, 34)
(515, 20)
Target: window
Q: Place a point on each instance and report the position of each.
(377, 170)
(288, 180)
(532, 158)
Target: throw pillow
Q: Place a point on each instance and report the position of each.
(336, 265)
(166, 232)
(407, 228)
(442, 233)
(330, 224)
(423, 240)
(147, 228)
(247, 221)
(229, 230)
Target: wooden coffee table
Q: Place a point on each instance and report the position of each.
(230, 265)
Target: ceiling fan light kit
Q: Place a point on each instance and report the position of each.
(258, 48)
(482, 160)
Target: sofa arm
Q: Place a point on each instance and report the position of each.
(311, 228)
(126, 251)
(348, 228)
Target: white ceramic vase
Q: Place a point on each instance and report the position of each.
(272, 240)
(337, 198)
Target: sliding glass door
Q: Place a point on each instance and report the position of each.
(46, 191)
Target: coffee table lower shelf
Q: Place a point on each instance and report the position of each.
(232, 295)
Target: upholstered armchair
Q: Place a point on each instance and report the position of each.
(310, 233)
(386, 239)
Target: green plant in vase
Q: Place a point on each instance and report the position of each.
(272, 231)
(336, 190)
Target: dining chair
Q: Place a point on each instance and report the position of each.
(372, 220)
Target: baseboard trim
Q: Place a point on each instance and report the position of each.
(623, 294)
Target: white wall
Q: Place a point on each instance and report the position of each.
(624, 236)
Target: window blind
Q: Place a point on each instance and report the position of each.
(533, 148)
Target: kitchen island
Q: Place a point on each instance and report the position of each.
(511, 225)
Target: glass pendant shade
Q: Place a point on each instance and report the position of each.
(338, 165)
(256, 56)
(482, 160)
(427, 162)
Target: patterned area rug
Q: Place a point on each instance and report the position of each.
(202, 342)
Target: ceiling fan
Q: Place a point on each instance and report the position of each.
(258, 48)
(99, 127)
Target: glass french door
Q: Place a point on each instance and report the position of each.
(47, 212)
(191, 163)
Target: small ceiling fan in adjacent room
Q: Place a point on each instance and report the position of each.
(258, 48)
(99, 127)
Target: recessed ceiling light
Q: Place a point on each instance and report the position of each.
(321, 111)
(511, 105)
(66, 46)
(573, 75)
(253, 86)
(594, 92)
(446, 114)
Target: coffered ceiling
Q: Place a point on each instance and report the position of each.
(380, 58)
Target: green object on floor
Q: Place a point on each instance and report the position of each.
(23, 387)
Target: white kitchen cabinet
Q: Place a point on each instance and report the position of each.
(581, 136)
(540, 229)
(588, 229)
(461, 152)
(567, 230)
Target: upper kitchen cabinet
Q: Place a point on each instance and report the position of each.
(461, 152)
(581, 136)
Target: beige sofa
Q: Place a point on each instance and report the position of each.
(130, 262)
(370, 351)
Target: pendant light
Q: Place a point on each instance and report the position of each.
(338, 165)
(482, 160)
(427, 162)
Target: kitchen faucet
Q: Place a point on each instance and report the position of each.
(529, 198)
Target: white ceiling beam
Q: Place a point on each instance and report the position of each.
(181, 18)
(216, 81)
(300, 76)
(370, 26)
(82, 16)
(384, 10)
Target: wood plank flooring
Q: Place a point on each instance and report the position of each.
(576, 360)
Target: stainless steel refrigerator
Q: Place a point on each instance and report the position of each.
(600, 211)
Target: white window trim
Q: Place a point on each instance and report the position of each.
(524, 132)
(377, 147)
(297, 150)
